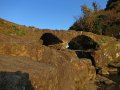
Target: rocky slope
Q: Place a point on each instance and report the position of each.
(45, 56)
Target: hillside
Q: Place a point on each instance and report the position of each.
(56, 60)
(100, 21)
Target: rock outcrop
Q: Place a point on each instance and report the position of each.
(57, 70)
(107, 54)
(50, 61)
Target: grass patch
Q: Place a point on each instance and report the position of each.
(16, 31)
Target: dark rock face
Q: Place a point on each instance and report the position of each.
(83, 42)
(88, 55)
(117, 37)
(50, 39)
(105, 83)
(15, 81)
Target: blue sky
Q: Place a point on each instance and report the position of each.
(44, 14)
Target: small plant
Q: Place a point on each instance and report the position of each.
(31, 27)
(17, 31)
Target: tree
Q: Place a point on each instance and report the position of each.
(95, 6)
(86, 11)
(81, 24)
(113, 4)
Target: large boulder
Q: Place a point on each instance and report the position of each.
(52, 69)
(107, 54)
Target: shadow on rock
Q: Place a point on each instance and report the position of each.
(83, 42)
(15, 81)
(107, 83)
(114, 77)
(88, 55)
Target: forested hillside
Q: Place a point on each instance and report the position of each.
(104, 22)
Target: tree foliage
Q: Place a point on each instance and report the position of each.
(105, 22)
(113, 4)
(95, 6)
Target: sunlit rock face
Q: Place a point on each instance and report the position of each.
(57, 70)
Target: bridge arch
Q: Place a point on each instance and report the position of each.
(82, 42)
(50, 39)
